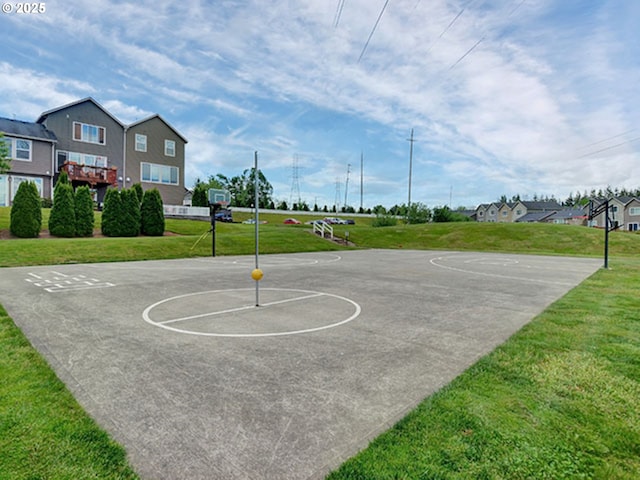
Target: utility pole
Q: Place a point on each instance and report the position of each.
(346, 185)
(410, 167)
(337, 199)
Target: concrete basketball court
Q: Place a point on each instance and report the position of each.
(174, 359)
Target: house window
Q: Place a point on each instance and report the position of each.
(518, 212)
(170, 148)
(83, 132)
(16, 181)
(634, 211)
(504, 213)
(4, 190)
(632, 227)
(19, 149)
(154, 173)
(492, 212)
(141, 142)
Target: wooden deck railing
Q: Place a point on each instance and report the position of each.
(91, 175)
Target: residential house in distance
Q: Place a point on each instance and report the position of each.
(624, 213)
(31, 152)
(631, 219)
(155, 153)
(487, 212)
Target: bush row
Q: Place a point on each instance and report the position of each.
(127, 213)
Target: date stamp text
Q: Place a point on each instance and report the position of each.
(24, 8)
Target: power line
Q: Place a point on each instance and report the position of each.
(468, 52)
(336, 18)
(609, 148)
(364, 49)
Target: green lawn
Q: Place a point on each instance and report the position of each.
(558, 400)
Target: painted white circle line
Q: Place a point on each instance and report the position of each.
(147, 318)
(434, 262)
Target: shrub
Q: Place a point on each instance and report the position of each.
(384, 220)
(62, 221)
(152, 213)
(139, 192)
(130, 219)
(111, 213)
(84, 212)
(26, 215)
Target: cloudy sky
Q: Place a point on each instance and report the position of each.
(504, 96)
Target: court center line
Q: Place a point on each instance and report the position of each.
(239, 309)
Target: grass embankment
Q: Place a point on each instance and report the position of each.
(558, 400)
(44, 433)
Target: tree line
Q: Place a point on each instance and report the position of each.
(577, 199)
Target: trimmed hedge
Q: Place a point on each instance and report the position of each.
(62, 221)
(85, 219)
(111, 213)
(130, 220)
(26, 214)
(152, 213)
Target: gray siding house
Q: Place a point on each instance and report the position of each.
(90, 144)
(631, 219)
(31, 151)
(155, 153)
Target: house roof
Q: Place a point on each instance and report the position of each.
(568, 213)
(156, 115)
(43, 116)
(536, 216)
(541, 205)
(33, 131)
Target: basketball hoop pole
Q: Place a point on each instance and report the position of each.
(255, 172)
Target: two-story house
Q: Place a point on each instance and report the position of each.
(487, 212)
(631, 219)
(90, 144)
(31, 149)
(155, 153)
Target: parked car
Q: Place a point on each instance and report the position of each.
(224, 216)
(333, 220)
(312, 222)
(349, 221)
(291, 221)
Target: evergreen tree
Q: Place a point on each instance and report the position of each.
(139, 192)
(62, 220)
(112, 213)
(200, 196)
(84, 212)
(62, 178)
(26, 215)
(130, 219)
(152, 213)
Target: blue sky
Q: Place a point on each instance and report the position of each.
(504, 96)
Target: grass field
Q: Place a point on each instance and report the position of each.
(558, 400)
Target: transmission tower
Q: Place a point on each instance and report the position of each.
(336, 202)
(294, 197)
(346, 186)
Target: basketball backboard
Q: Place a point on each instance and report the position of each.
(219, 197)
